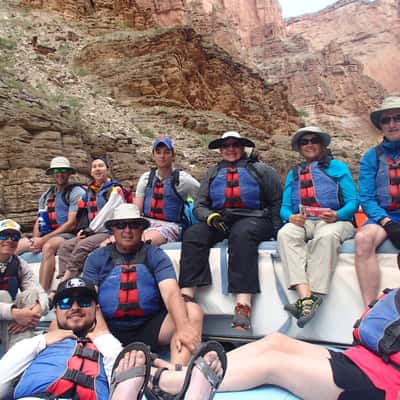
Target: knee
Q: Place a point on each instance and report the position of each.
(364, 242)
(49, 248)
(196, 233)
(195, 313)
(275, 341)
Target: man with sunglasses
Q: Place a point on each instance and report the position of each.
(239, 200)
(57, 217)
(74, 360)
(139, 295)
(22, 300)
(379, 187)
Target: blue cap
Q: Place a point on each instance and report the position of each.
(166, 141)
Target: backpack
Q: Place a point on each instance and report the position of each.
(378, 329)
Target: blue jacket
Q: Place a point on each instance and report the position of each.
(372, 203)
(341, 175)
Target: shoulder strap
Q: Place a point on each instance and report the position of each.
(67, 192)
(151, 177)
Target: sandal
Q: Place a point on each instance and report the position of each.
(134, 372)
(293, 309)
(197, 361)
(309, 306)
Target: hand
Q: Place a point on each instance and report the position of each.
(107, 241)
(14, 328)
(393, 231)
(329, 216)
(187, 337)
(28, 317)
(57, 335)
(37, 244)
(298, 219)
(84, 233)
(217, 222)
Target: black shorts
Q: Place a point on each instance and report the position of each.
(349, 377)
(147, 333)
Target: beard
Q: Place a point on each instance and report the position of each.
(81, 330)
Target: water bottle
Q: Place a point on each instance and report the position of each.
(43, 220)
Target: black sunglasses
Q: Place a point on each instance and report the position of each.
(59, 170)
(314, 140)
(129, 224)
(13, 236)
(230, 144)
(386, 120)
(82, 301)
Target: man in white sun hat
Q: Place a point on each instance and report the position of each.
(22, 300)
(379, 187)
(57, 216)
(138, 292)
(239, 200)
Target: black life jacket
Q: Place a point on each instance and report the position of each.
(9, 278)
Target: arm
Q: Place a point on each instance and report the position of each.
(188, 186)
(202, 203)
(286, 208)
(140, 191)
(367, 186)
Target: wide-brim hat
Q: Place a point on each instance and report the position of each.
(60, 162)
(127, 212)
(389, 103)
(217, 143)
(9, 225)
(325, 137)
(81, 286)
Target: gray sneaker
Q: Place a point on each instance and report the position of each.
(309, 306)
(293, 308)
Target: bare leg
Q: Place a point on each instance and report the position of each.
(243, 298)
(303, 290)
(366, 261)
(154, 236)
(129, 389)
(167, 333)
(48, 264)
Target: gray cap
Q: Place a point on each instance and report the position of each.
(325, 137)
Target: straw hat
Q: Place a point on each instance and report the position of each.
(389, 103)
(325, 137)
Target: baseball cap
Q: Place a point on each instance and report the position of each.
(166, 141)
(72, 286)
(9, 225)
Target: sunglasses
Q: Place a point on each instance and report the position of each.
(129, 224)
(13, 236)
(83, 302)
(314, 140)
(233, 144)
(386, 120)
(59, 170)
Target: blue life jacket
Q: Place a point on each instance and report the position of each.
(248, 183)
(51, 365)
(165, 193)
(387, 181)
(129, 294)
(378, 329)
(9, 278)
(326, 189)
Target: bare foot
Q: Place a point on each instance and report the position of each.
(199, 387)
(130, 388)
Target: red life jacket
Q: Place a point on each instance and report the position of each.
(232, 189)
(51, 211)
(79, 378)
(394, 184)
(307, 190)
(93, 210)
(128, 294)
(157, 201)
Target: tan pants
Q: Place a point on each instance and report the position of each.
(309, 255)
(27, 298)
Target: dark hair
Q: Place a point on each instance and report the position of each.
(102, 158)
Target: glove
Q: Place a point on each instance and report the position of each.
(216, 221)
(393, 231)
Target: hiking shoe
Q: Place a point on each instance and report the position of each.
(309, 306)
(241, 319)
(293, 308)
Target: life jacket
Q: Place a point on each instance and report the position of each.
(161, 198)
(66, 369)
(9, 278)
(312, 186)
(129, 294)
(97, 199)
(57, 211)
(387, 181)
(378, 329)
(236, 185)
